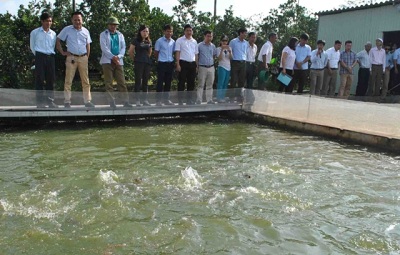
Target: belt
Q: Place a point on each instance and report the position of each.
(206, 66)
(317, 69)
(376, 65)
(332, 68)
(75, 55)
(240, 61)
(190, 62)
(251, 63)
(47, 55)
(162, 62)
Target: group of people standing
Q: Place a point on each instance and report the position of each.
(377, 67)
(190, 59)
(186, 56)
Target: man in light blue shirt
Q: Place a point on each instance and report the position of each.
(319, 59)
(303, 55)
(78, 41)
(239, 54)
(113, 47)
(396, 75)
(164, 53)
(42, 44)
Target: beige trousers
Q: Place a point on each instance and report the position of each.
(205, 76)
(346, 80)
(81, 63)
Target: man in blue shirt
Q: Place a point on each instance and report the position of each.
(164, 53)
(239, 54)
(42, 44)
(303, 55)
(113, 47)
(78, 41)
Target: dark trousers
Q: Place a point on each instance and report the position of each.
(238, 75)
(289, 88)
(395, 81)
(363, 80)
(261, 84)
(45, 75)
(142, 75)
(186, 75)
(165, 72)
(300, 77)
(250, 74)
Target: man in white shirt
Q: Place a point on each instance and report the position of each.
(186, 52)
(331, 70)
(377, 57)
(388, 71)
(364, 70)
(251, 59)
(319, 59)
(42, 44)
(265, 56)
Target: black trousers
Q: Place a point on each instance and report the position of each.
(289, 88)
(300, 77)
(238, 76)
(363, 80)
(186, 75)
(45, 76)
(250, 74)
(165, 71)
(142, 75)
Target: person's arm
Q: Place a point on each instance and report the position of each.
(150, 50)
(284, 56)
(105, 49)
(60, 48)
(122, 51)
(88, 49)
(32, 41)
(314, 57)
(132, 52)
(177, 57)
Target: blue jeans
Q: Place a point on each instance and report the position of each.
(223, 79)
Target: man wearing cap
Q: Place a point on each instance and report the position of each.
(113, 47)
(331, 69)
(377, 57)
(319, 59)
(265, 56)
(364, 70)
(78, 41)
(42, 43)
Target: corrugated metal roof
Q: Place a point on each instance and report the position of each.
(359, 7)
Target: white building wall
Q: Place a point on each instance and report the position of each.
(358, 26)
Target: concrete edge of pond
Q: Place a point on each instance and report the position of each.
(381, 142)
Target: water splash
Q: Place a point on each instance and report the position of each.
(108, 177)
(191, 178)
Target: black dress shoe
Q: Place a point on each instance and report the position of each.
(67, 105)
(89, 104)
(113, 105)
(128, 105)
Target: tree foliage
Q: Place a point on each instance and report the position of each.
(16, 58)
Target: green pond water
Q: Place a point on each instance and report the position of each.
(207, 186)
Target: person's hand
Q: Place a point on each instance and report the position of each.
(115, 60)
(266, 67)
(284, 71)
(299, 64)
(178, 68)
